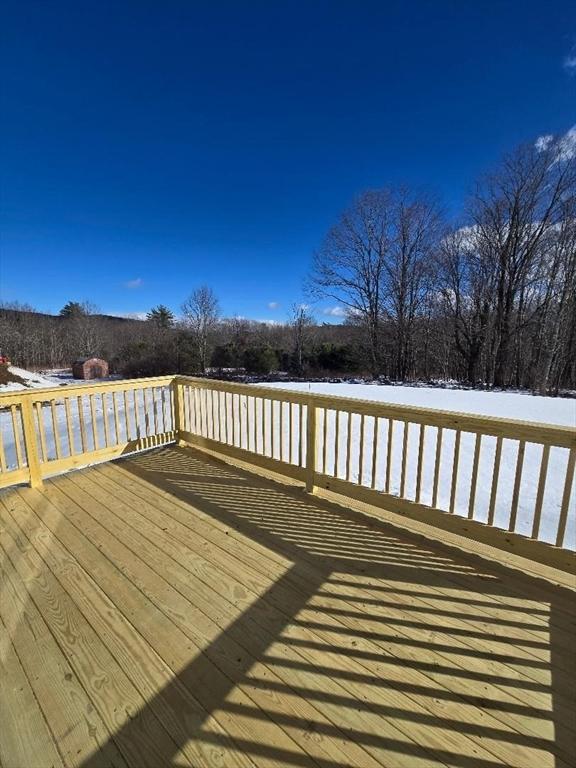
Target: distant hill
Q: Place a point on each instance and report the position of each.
(9, 312)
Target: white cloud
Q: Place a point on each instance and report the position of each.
(273, 305)
(129, 315)
(542, 142)
(570, 61)
(566, 144)
(336, 311)
(136, 283)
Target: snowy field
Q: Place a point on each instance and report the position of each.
(557, 411)
(43, 379)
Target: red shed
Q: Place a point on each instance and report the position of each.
(89, 368)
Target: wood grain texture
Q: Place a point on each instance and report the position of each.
(170, 609)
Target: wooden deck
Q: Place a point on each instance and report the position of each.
(169, 610)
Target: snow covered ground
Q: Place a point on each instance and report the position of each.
(509, 405)
(43, 379)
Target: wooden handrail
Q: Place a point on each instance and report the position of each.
(515, 429)
(56, 429)
(373, 466)
(391, 456)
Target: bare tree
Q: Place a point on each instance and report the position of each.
(301, 323)
(377, 262)
(409, 270)
(466, 287)
(349, 266)
(512, 214)
(201, 312)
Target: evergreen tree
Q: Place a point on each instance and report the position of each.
(161, 316)
(73, 309)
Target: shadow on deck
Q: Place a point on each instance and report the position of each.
(351, 643)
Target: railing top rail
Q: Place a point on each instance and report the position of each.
(72, 390)
(515, 429)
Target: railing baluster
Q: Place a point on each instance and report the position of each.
(3, 462)
(517, 482)
(141, 412)
(404, 459)
(94, 423)
(234, 423)
(30, 443)
(69, 433)
(389, 455)
(455, 466)
(374, 452)
(194, 419)
(300, 433)
(419, 468)
(41, 431)
(262, 422)
(116, 418)
(563, 519)
(126, 416)
(81, 422)
(146, 404)
(291, 433)
(337, 443)
(325, 442)
(474, 480)
(203, 414)
(220, 419)
(105, 418)
(349, 448)
(540, 491)
(495, 480)
(311, 444)
(155, 409)
(212, 413)
(57, 445)
(281, 441)
(16, 432)
(361, 457)
(437, 460)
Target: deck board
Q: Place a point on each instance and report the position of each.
(168, 609)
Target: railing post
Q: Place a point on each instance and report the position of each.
(30, 443)
(178, 409)
(311, 439)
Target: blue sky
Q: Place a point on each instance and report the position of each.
(149, 147)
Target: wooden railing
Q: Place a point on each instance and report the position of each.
(467, 474)
(47, 431)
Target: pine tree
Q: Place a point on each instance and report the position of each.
(161, 316)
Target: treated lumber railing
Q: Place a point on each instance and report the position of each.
(47, 431)
(463, 473)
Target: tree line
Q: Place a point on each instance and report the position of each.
(489, 299)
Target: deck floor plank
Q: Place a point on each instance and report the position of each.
(201, 615)
(76, 726)
(111, 691)
(177, 604)
(147, 670)
(170, 541)
(25, 739)
(218, 610)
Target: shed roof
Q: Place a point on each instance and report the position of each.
(87, 359)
